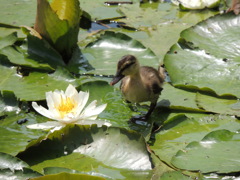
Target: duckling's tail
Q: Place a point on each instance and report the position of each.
(162, 71)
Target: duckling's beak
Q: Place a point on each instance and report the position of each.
(116, 79)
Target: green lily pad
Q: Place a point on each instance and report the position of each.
(180, 130)
(104, 53)
(218, 151)
(165, 13)
(99, 11)
(8, 40)
(56, 170)
(14, 135)
(13, 168)
(78, 163)
(76, 140)
(63, 176)
(8, 103)
(17, 13)
(196, 68)
(219, 105)
(159, 28)
(33, 53)
(17, 57)
(218, 36)
(23, 174)
(10, 162)
(174, 175)
(178, 99)
(25, 87)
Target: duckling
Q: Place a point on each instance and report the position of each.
(139, 83)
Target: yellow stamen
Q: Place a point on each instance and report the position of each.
(66, 106)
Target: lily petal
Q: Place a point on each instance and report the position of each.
(45, 126)
(70, 91)
(92, 110)
(82, 98)
(41, 110)
(99, 123)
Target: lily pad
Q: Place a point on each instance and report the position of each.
(17, 13)
(25, 87)
(165, 13)
(8, 40)
(99, 10)
(13, 168)
(219, 105)
(104, 53)
(191, 67)
(218, 36)
(174, 175)
(14, 135)
(23, 174)
(195, 69)
(10, 162)
(178, 99)
(57, 170)
(76, 140)
(63, 176)
(8, 103)
(159, 28)
(33, 53)
(218, 151)
(180, 130)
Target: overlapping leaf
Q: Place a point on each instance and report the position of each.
(113, 147)
(218, 151)
(13, 168)
(104, 53)
(195, 68)
(34, 86)
(180, 130)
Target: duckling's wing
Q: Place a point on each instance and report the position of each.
(152, 79)
(156, 88)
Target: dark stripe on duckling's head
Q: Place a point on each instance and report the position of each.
(125, 62)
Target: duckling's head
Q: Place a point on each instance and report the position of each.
(128, 65)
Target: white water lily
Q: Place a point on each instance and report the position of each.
(197, 4)
(68, 108)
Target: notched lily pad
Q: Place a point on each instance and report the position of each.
(218, 151)
(182, 129)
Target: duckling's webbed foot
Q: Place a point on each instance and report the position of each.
(145, 117)
(138, 118)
